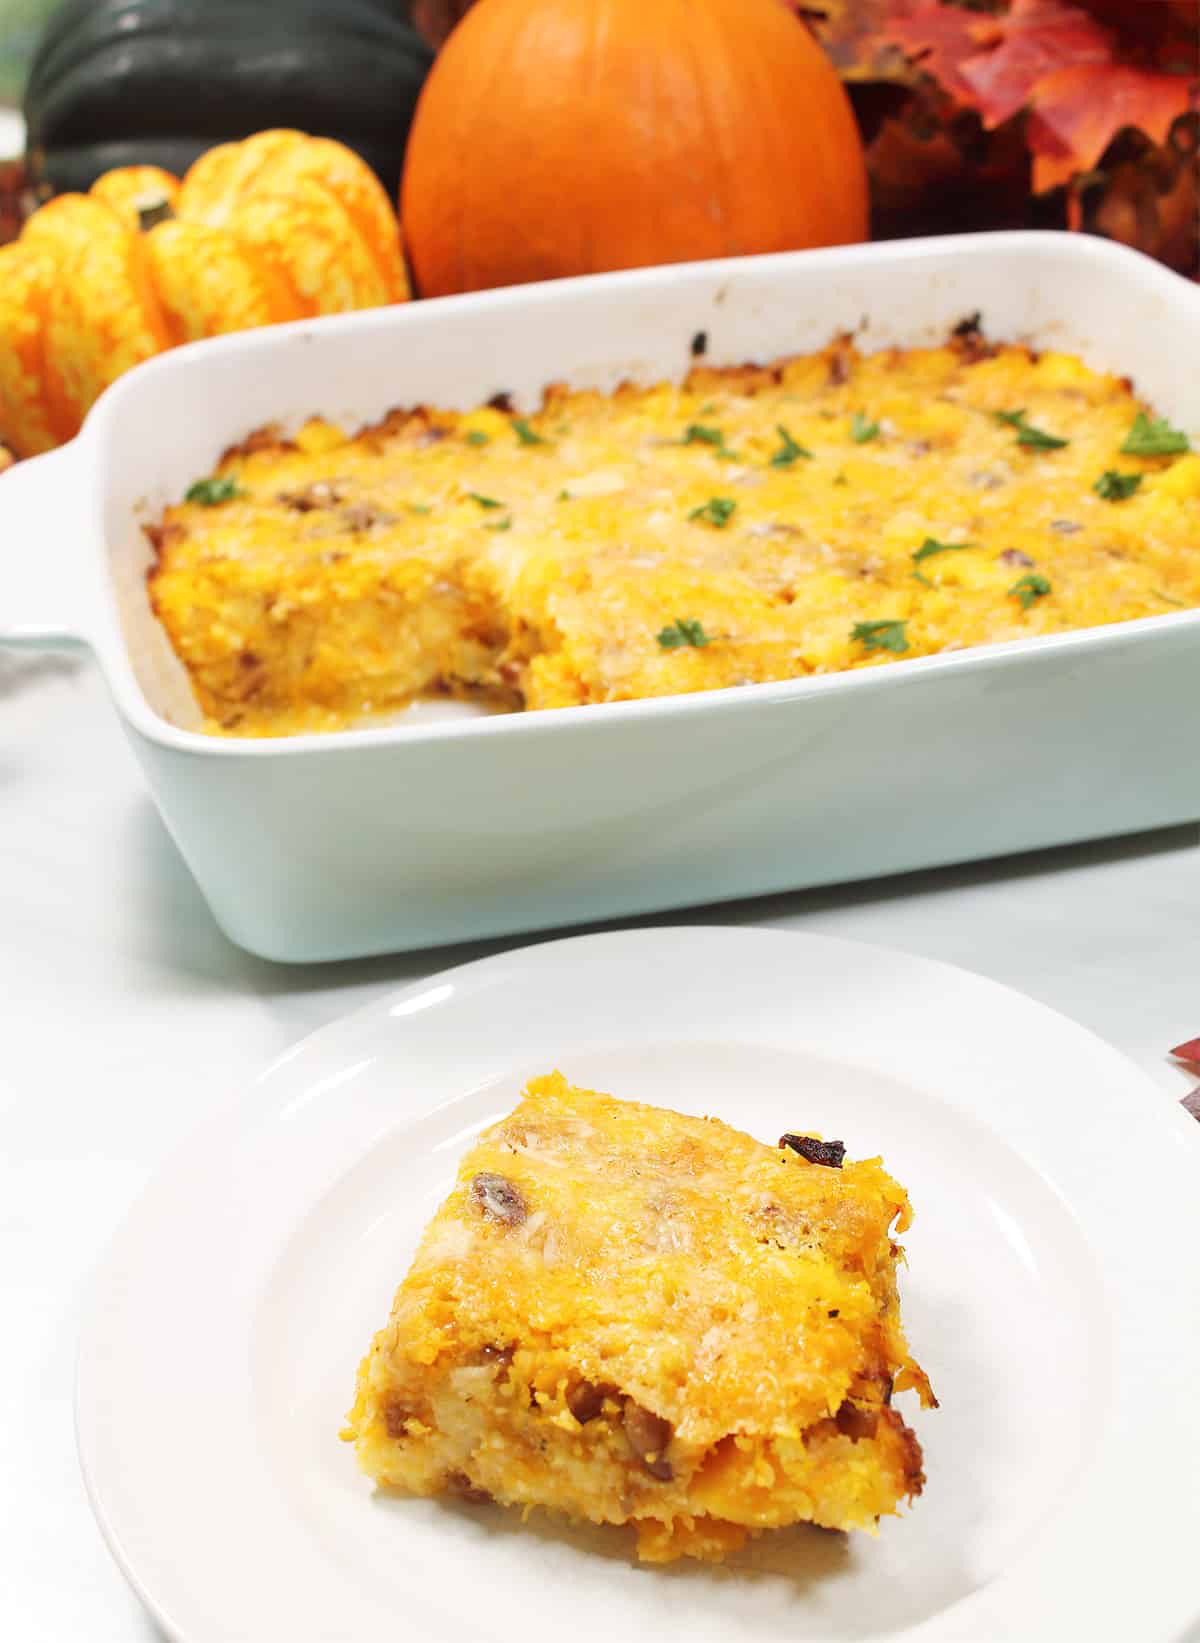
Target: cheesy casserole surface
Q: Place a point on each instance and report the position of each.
(634, 1317)
(827, 512)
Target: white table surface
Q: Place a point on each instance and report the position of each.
(125, 1016)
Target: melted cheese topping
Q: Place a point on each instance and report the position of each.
(748, 525)
(634, 1316)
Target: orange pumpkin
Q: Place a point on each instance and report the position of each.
(558, 137)
(279, 227)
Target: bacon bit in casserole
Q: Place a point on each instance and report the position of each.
(269, 438)
(968, 338)
(322, 493)
(1014, 556)
(460, 1486)
(586, 1400)
(840, 368)
(395, 1415)
(855, 1423)
(499, 1199)
(362, 516)
(829, 1153)
(648, 1436)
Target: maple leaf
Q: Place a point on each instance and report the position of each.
(1079, 110)
(1038, 37)
(941, 38)
(1052, 58)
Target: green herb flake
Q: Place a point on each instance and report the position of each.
(211, 491)
(699, 433)
(1181, 604)
(931, 545)
(504, 524)
(418, 507)
(840, 479)
(682, 631)
(923, 580)
(717, 511)
(564, 496)
(478, 437)
(1154, 436)
(1116, 487)
(863, 429)
(526, 434)
(1033, 439)
(789, 451)
(1029, 589)
(484, 501)
(881, 636)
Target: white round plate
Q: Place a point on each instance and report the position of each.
(1051, 1293)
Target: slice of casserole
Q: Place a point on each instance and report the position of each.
(631, 1316)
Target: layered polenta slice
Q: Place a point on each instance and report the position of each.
(631, 1316)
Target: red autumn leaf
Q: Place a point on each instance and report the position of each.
(1047, 56)
(943, 38)
(1187, 1052)
(1080, 110)
(1039, 37)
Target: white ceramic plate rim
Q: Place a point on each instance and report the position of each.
(1110, 1559)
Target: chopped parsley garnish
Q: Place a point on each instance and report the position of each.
(862, 428)
(1116, 487)
(1154, 436)
(682, 631)
(477, 437)
(881, 636)
(212, 490)
(699, 433)
(931, 545)
(717, 511)
(418, 507)
(1033, 439)
(1029, 589)
(789, 451)
(504, 524)
(484, 501)
(526, 434)
(840, 479)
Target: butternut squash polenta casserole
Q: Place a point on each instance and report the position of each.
(827, 512)
(634, 1317)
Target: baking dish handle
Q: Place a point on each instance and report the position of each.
(42, 593)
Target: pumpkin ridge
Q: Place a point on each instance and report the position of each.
(29, 420)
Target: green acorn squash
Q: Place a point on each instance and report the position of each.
(156, 82)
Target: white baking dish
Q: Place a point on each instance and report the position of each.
(438, 828)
